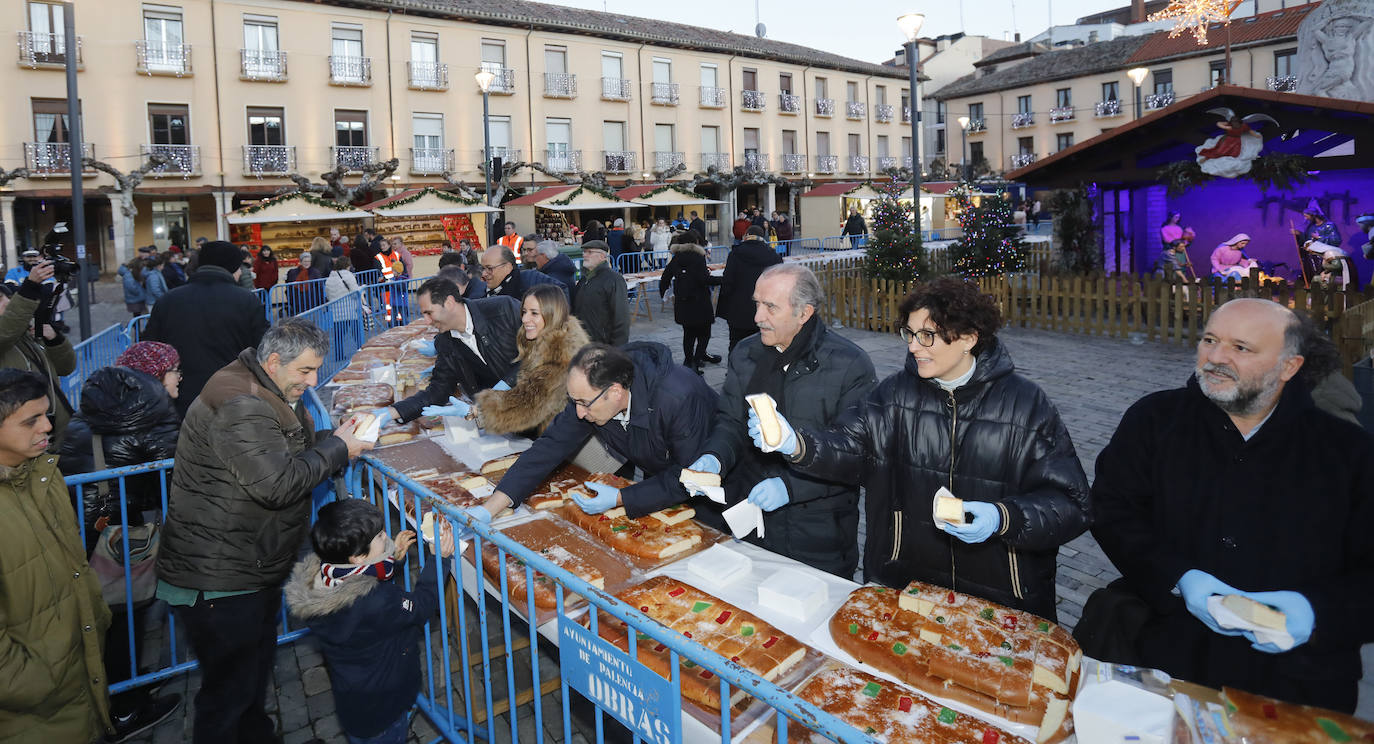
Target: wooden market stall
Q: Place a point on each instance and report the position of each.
(824, 209)
(554, 211)
(289, 222)
(423, 218)
(667, 199)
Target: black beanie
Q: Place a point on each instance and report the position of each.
(756, 231)
(221, 253)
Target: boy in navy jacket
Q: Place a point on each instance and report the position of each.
(352, 596)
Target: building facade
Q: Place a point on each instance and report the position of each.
(238, 94)
(1026, 103)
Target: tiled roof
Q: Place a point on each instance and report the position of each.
(833, 189)
(1024, 49)
(524, 14)
(1275, 24)
(1062, 64)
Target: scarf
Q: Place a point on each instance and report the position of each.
(331, 575)
(772, 368)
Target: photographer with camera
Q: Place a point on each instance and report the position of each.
(29, 342)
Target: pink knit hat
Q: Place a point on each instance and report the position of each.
(151, 358)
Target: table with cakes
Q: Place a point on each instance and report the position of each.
(916, 663)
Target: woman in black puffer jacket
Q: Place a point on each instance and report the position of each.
(1012, 461)
(131, 407)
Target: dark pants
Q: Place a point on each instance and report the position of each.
(694, 340)
(117, 656)
(235, 639)
(739, 334)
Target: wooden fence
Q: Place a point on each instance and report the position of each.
(1115, 306)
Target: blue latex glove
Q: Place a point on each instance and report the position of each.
(500, 385)
(706, 464)
(455, 407)
(606, 497)
(769, 494)
(1300, 617)
(461, 531)
(1196, 586)
(789, 437)
(383, 415)
(987, 519)
(426, 348)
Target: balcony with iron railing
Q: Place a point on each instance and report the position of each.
(668, 160)
(563, 161)
(269, 160)
(793, 162)
(1023, 119)
(615, 89)
(507, 154)
(858, 163)
(1159, 100)
(1282, 83)
(427, 75)
(1022, 160)
(261, 64)
(884, 112)
(753, 100)
(353, 157)
(906, 114)
(54, 158)
(886, 163)
(755, 162)
(183, 160)
(619, 161)
(825, 107)
(158, 58)
(504, 82)
(712, 97)
(789, 103)
(663, 94)
(977, 126)
(827, 163)
(356, 71)
(855, 110)
(431, 161)
(1107, 109)
(717, 160)
(1060, 114)
(45, 51)
(560, 85)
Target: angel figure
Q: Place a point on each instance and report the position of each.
(1230, 153)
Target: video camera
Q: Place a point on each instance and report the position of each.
(63, 267)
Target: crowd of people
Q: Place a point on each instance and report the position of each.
(1234, 483)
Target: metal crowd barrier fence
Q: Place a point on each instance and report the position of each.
(349, 322)
(631, 263)
(100, 350)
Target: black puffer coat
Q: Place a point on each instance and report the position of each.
(747, 259)
(691, 281)
(137, 422)
(1010, 448)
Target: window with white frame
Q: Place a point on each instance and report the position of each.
(162, 39)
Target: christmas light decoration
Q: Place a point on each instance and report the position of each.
(992, 242)
(1196, 15)
(894, 250)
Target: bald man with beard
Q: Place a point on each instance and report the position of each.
(1238, 484)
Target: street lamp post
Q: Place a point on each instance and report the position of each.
(963, 146)
(910, 24)
(484, 80)
(1137, 76)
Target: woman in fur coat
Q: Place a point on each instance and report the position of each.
(548, 338)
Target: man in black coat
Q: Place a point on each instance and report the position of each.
(1233, 484)
(551, 261)
(854, 227)
(748, 258)
(641, 407)
(475, 349)
(813, 375)
(602, 300)
(699, 225)
(688, 275)
(209, 320)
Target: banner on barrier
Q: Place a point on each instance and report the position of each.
(631, 692)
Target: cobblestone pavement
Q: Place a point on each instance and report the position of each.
(1091, 380)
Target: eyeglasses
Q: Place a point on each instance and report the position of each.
(591, 402)
(923, 337)
(491, 269)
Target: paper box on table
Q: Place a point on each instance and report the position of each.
(792, 592)
(719, 565)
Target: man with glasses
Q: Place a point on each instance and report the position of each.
(813, 375)
(602, 300)
(502, 273)
(644, 409)
(475, 350)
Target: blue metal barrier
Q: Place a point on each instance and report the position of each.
(288, 299)
(633, 263)
(100, 350)
(346, 321)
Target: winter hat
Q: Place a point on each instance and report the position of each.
(221, 253)
(756, 231)
(151, 358)
(596, 245)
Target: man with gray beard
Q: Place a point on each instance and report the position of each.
(1238, 484)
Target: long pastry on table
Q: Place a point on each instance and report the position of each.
(545, 597)
(655, 536)
(889, 713)
(718, 625)
(1264, 720)
(953, 646)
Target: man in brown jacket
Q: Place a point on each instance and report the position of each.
(52, 617)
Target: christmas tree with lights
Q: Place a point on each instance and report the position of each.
(894, 249)
(992, 243)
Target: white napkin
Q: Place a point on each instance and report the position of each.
(744, 518)
(369, 433)
(383, 373)
(714, 493)
(1230, 620)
